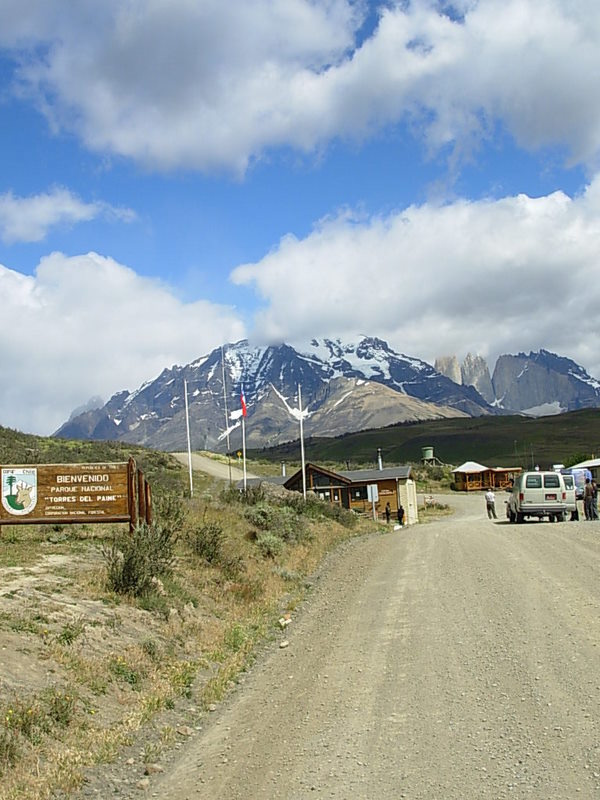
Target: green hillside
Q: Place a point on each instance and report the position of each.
(18, 448)
(493, 441)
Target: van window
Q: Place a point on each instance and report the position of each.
(569, 482)
(533, 482)
(551, 482)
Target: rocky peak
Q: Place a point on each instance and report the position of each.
(449, 366)
(475, 372)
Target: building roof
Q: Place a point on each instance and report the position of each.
(471, 466)
(362, 475)
(345, 477)
(591, 463)
(336, 476)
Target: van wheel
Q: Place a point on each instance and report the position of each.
(520, 517)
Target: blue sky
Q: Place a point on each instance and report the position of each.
(181, 174)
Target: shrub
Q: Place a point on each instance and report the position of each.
(283, 520)
(70, 632)
(252, 495)
(125, 672)
(315, 508)
(262, 516)
(169, 511)
(27, 720)
(206, 541)
(289, 525)
(134, 560)
(269, 544)
(60, 706)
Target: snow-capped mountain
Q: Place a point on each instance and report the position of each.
(345, 387)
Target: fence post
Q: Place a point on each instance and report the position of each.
(141, 495)
(131, 495)
(148, 493)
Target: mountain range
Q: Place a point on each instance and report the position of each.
(345, 387)
(537, 384)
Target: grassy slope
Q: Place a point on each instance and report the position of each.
(16, 448)
(88, 672)
(494, 441)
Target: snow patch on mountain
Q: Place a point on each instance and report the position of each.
(544, 410)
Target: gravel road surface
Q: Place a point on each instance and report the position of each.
(454, 660)
(211, 466)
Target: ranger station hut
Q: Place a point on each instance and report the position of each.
(349, 488)
(472, 476)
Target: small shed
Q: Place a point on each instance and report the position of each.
(394, 486)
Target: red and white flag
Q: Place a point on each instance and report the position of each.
(243, 400)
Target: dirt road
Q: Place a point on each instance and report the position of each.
(211, 466)
(448, 661)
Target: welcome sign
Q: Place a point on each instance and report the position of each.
(62, 493)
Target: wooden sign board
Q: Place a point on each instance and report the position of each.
(64, 493)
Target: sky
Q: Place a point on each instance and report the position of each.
(179, 174)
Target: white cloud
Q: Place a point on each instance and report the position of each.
(212, 85)
(29, 219)
(492, 277)
(87, 326)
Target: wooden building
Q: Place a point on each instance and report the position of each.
(350, 489)
(472, 476)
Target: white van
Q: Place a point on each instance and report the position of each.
(538, 494)
(571, 496)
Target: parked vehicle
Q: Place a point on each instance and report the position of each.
(579, 475)
(571, 496)
(538, 494)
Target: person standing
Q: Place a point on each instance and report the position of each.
(400, 515)
(594, 499)
(388, 513)
(588, 497)
(490, 504)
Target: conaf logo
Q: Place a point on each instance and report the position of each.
(19, 490)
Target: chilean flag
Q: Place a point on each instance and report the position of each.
(243, 399)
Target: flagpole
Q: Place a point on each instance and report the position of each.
(189, 444)
(244, 449)
(226, 414)
(302, 442)
(244, 414)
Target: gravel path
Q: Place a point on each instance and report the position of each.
(448, 661)
(211, 466)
